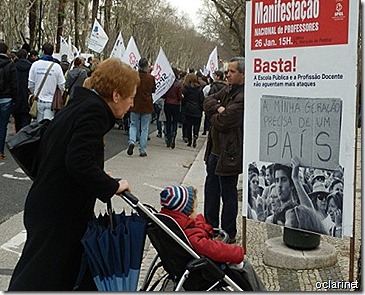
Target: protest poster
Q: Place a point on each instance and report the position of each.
(98, 38)
(300, 107)
(212, 63)
(119, 48)
(164, 75)
(131, 54)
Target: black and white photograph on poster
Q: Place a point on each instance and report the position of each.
(300, 183)
(305, 198)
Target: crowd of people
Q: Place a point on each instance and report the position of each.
(181, 107)
(72, 147)
(22, 73)
(304, 198)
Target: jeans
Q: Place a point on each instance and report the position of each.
(172, 117)
(192, 127)
(5, 111)
(44, 110)
(140, 124)
(216, 187)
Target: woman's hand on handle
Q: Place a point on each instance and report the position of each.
(123, 186)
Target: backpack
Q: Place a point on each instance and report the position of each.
(2, 79)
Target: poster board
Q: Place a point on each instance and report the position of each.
(300, 102)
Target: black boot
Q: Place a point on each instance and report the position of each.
(194, 140)
(173, 142)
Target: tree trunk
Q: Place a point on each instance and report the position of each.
(32, 23)
(107, 25)
(94, 12)
(85, 26)
(60, 21)
(77, 26)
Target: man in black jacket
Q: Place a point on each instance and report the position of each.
(8, 92)
(223, 156)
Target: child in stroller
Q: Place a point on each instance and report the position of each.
(180, 203)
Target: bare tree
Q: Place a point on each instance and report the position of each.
(224, 22)
(60, 21)
(152, 23)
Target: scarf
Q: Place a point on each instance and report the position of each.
(47, 57)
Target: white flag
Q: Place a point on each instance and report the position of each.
(119, 48)
(75, 51)
(131, 55)
(98, 38)
(63, 46)
(70, 54)
(164, 75)
(212, 64)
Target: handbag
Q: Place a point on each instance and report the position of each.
(33, 98)
(33, 108)
(24, 146)
(58, 100)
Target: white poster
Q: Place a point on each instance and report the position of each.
(63, 46)
(72, 51)
(212, 64)
(131, 55)
(98, 38)
(300, 110)
(119, 48)
(164, 75)
(67, 48)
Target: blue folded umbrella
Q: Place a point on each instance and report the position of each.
(114, 246)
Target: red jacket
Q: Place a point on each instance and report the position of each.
(200, 234)
(174, 94)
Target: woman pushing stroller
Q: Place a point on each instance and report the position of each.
(180, 203)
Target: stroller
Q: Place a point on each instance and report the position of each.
(184, 268)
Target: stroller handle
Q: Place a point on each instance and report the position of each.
(130, 197)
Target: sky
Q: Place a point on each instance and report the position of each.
(188, 6)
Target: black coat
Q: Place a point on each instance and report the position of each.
(62, 197)
(11, 78)
(192, 102)
(21, 104)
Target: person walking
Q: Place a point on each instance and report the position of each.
(141, 112)
(21, 108)
(65, 65)
(75, 77)
(172, 99)
(8, 93)
(54, 79)
(71, 177)
(192, 107)
(223, 155)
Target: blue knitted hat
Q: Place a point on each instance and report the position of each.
(178, 198)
